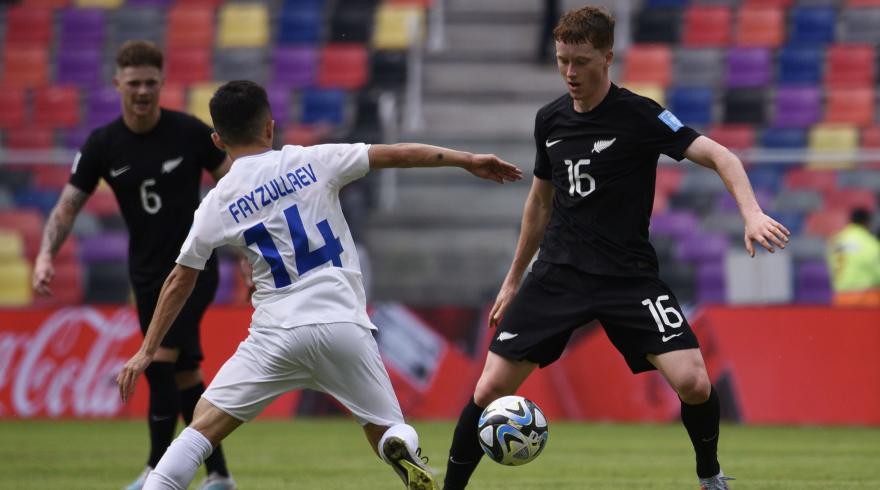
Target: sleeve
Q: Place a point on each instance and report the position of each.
(542, 161)
(661, 131)
(205, 234)
(210, 157)
(87, 165)
(346, 162)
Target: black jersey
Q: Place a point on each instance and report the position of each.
(603, 166)
(156, 178)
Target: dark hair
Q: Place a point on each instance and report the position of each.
(860, 216)
(586, 24)
(240, 109)
(138, 53)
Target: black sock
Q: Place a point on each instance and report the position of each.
(164, 408)
(215, 463)
(702, 424)
(465, 453)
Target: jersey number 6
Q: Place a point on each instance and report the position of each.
(306, 259)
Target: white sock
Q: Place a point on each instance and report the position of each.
(402, 431)
(181, 460)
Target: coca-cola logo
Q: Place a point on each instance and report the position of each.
(67, 366)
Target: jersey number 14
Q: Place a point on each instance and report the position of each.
(306, 259)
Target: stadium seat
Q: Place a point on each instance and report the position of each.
(12, 107)
(769, 3)
(707, 26)
(388, 69)
(352, 22)
(826, 222)
(703, 247)
(102, 203)
(666, 3)
(860, 25)
(870, 140)
(748, 67)
(797, 106)
(657, 25)
(15, 288)
(52, 4)
(822, 181)
(800, 65)
(850, 199)
(692, 105)
(67, 287)
(103, 106)
(648, 64)
(766, 177)
(29, 138)
(800, 201)
(794, 222)
(850, 65)
(834, 138)
(42, 199)
(698, 66)
(81, 66)
(142, 22)
(243, 25)
(56, 106)
(342, 65)
(862, 3)
(733, 136)
(82, 29)
(651, 91)
(674, 223)
(812, 24)
(27, 222)
(745, 106)
(199, 96)
(187, 66)
(28, 26)
(668, 179)
(393, 25)
(279, 101)
(104, 247)
(304, 135)
(783, 139)
(300, 25)
(812, 284)
(25, 66)
(323, 106)
(863, 178)
(760, 26)
(173, 96)
(295, 65)
(189, 26)
(850, 106)
(234, 63)
(50, 177)
(711, 287)
(103, 4)
(11, 245)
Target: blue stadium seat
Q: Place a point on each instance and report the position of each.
(299, 25)
(766, 177)
(323, 106)
(693, 105)
(813, 25)
(801, 64)
(784, 138)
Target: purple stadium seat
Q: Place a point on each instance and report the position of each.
(727, 203)
(702, 248)
(226, 288)
(105, 247)
(710, 283)
(82, 28)
(295, 66)
(74, 138)
(812, 284)
(748, 67)
(797, 107)
(103, 106)
(79, 65)
(674, 223)
(279, 101)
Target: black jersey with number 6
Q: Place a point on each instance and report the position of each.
(603, 166)
(156, 178)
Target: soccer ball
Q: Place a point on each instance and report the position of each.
(512, 430)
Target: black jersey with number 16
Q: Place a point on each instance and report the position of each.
(603, 166)
(156, 178)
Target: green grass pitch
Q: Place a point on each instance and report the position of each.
(333, 454)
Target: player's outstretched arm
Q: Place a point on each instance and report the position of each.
(758, 226)
(408, 155)
(57, 228)
(176, 290)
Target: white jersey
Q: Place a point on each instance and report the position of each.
(282, 208)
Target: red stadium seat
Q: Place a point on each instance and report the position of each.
(56, 107)
(648, 63)
(850, 105)
(824, 181)
(305, 134)
(826, 222)
(102, 203)
(733, 136)
(51, 177)
(30, 138)
(190, 26)
(668, 179)
(707, 26)
(187, 66)
(12, 107)
(760, 26)
(52, 4)
(769, 3)
(29, 26)
(849, 199)
(28, 222)
(67, 287)
(343, 65)
(173, 96)
(870, 140)
(850, 65)
(25, 66)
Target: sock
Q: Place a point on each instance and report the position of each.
(465, 453)
(178, 466)
(216, 463)
(164, 408)
(702, 423)
(402, 431)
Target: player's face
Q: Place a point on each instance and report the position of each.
(584, 69)
(139, 87)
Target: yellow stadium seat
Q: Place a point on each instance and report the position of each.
(100, 4)
(653, 92)
(833, 137)
(243, 25)
(393, 25)
(11, 245)
(199, 96)
(15, 287)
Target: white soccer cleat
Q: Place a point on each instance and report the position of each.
(138, 483)
(216, 482)
(409, 465)
(717, 482)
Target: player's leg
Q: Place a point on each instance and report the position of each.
(178, 466)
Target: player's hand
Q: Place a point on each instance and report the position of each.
(491, 167)
(247, 275)
(127, 378)
(766, 231)
(501, 301)
(44, 271)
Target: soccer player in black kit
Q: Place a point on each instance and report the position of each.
(588, 209)
(152, 158)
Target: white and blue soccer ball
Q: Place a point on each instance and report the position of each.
(512, 430)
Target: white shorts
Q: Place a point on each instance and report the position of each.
(340, 359)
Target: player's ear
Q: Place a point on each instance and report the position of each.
(609, 57)
(215, 137)
(270, 129)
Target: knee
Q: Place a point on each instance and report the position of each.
(694, 388)
(490, 389)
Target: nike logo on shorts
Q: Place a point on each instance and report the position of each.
(667, 338)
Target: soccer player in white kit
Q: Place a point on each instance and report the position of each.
(310, 327)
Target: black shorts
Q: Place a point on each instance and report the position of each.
(640, 315)
(184, 332)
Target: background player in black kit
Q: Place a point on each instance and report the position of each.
(153, 159)
(589, 209)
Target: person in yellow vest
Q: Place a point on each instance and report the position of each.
(854, 263)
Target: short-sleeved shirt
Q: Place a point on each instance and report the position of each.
(282, 208)
(156, 177)
(603, 167)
